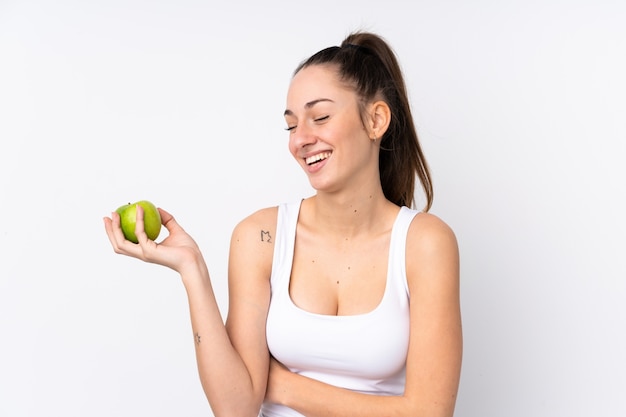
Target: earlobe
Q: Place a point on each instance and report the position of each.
(380, 117)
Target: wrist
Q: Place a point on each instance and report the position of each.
(288, 385)
(194, 269)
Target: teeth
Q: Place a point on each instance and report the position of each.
(316, 158)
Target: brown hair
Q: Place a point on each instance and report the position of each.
(367, 62)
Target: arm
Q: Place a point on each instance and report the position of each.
(435, 347)
(232, 360)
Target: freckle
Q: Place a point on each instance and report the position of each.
(355, 210)
(337, 282)
(348, 267)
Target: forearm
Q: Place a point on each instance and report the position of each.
(224, 376)
(316, 399)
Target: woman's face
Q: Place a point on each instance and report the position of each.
(326, 134)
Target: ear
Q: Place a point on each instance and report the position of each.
(379, 117)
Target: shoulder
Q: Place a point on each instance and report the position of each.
(432, 250)
(264, 218)
(427, 231)
(253, 237)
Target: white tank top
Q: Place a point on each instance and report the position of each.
(364, 352)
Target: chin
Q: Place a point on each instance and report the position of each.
(322, 186)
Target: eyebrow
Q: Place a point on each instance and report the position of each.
(308, 105)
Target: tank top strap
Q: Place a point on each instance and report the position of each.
(397, 248)
(284, 242)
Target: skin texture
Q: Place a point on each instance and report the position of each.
(345, 229)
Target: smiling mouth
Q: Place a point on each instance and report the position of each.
(316, 158)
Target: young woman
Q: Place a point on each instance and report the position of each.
(345, 303)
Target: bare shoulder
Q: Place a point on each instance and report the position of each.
(263, 219)
(429, 232)
(253, 237)
(432, 249)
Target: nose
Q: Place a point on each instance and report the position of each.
(302, 136)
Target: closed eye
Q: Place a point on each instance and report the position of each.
(318, 120)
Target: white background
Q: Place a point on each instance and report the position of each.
(521, 108)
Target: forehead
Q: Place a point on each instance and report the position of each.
(314, 82)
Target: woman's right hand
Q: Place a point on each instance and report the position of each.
(177, 251)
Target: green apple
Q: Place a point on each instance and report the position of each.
(151, 220)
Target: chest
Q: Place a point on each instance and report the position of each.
(340, 277)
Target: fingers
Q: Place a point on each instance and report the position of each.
(146, 245)
(114, 231)
(165, 216)
(169, 221)
(119, 242)
(139, 224)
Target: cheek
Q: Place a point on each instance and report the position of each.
(293, 149)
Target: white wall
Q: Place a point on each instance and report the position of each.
(521, 107)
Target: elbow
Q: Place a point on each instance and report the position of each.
(235, 410)
(234, 405)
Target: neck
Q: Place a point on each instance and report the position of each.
(349, 215)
